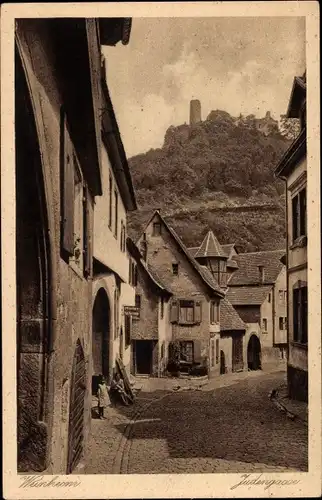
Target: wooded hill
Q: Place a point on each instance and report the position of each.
(217, 174)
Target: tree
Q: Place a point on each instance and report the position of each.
(290, 127)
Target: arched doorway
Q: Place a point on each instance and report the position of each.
(101, 337)
(33, 285)
(76, 408)
(222, 363)
(254, 353)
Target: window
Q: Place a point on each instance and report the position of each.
(116, 313)
(264, 324)
(300, 317)
(162, 350)
(217, 351)
(212, 357)
(175, 269)
(185, 312)
(282, 296)
(218, 269)
(110, 194)
(162, 307)
(214, 312)
(269, 297)
(156, 229)
(115, 213)
(138, 301)
(123, 237)
(133, 275)
(127, 328)
(299, 214)
(186, 351)
(282, 323)
(76, 227)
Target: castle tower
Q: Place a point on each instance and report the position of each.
(195, 111)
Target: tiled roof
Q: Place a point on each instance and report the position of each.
(248, 267)
(210, 247)
(151, 273)
(154, 276)
(232, 263)
(228, 248)
(229, 318)
(247, 295)
(205, 275)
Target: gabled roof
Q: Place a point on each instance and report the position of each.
(229, 318)
(204, 274)
(210, 247)
(248, 267)
(248, 295)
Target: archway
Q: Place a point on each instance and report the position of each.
(222, 363)
(33, 285)
(254, 353)
(101, 337)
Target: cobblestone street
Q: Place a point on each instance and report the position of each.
(234, 428)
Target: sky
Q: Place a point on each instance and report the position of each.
(239, 65)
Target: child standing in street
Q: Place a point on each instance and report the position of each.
(102, 396)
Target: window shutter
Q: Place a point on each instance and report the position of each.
(67, 202)
(197, 351)
(174, 311)
(88, 233)
(198, 312)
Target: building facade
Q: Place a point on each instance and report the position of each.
(293, 169)
(257, 290)
(151, 327)
(196, 295)
(113, 287)
(58, 175)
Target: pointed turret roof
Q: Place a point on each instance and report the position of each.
(210, 247)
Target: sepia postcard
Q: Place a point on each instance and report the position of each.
(161, 256)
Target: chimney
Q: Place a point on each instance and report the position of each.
(195, 111)
(261, 270)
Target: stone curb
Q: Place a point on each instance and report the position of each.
(279, 402)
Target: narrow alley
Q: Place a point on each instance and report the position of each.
(233, 428)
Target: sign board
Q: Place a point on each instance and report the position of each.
(132, 311)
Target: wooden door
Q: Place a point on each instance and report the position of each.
(237, 361)
(76, 411)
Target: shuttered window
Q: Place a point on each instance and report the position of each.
(88, 233)
(214, 312)
(185, 312)
(67, 191)
(299, 214)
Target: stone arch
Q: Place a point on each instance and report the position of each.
(34, 285)
(101, 337)
(254, 353)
